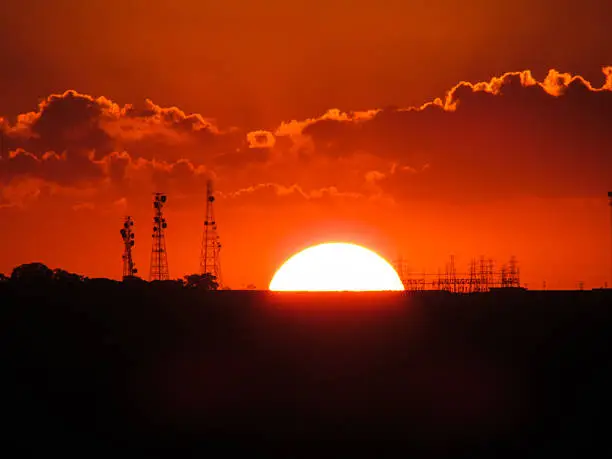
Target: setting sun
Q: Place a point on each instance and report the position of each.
(336, 267)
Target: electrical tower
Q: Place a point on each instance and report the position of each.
(127, 233)
(481, 276)
(514, 274)
(211, 246)
(159, 258)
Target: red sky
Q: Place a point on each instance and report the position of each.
(318, 120)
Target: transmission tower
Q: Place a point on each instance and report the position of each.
(211, 246)
(159, 258)
(515, 280)
(127, 233)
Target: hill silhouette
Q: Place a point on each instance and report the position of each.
(164, 368)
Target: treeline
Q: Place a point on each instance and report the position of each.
(38, 274)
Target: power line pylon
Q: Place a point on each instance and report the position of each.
(127, 233)
(515, 280)
(211, 245)
(453, 275)
(159, 257)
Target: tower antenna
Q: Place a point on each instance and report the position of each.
(127, 233)
(159, 257)
(211, 245)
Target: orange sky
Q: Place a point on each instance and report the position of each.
(319, 120)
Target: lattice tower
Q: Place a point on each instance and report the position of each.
(127, 234)
(159, 256)
(211, 246)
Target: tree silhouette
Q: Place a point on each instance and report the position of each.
(134, 280)
(32, 272)
(60, 275)
(204, 281)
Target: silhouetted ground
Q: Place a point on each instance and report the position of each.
(99, 367)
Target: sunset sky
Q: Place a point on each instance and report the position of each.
(420, 128)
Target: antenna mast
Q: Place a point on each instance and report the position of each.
(159, 258)
(127, 233)
(211, 246)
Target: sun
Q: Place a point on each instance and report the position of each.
(336, 266)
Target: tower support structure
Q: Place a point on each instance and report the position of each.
(159, 256)
(211, 245)
(128, 236)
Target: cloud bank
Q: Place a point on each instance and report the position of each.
(509, 136)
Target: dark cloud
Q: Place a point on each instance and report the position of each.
(506, 137)
(71, 122)
(51, 167)
(509, 136)
(75, 123)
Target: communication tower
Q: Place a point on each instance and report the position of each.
(211, 245)
(127, 233)
(159, 258)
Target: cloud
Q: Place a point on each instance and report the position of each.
(19, 193)
(117, 171)
(261, 139)
(75, 123)
(60, 169)
(512, 135)
(374, 176)
(272, 191)
(506, 137)
(83, 206)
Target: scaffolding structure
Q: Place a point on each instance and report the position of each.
(159, 257)
(128, 236)
(211, 246)
(482, 276)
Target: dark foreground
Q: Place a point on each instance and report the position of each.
(104, 368)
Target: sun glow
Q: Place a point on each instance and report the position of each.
(336, 267)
